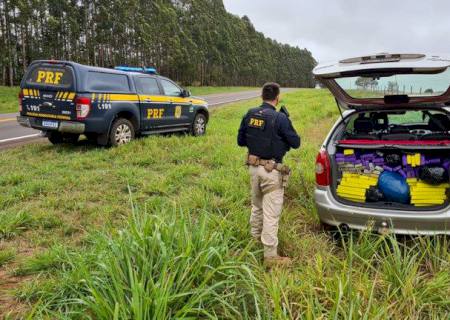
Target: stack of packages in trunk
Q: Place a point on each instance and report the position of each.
(426, 191)
(425, 179)
(359, 174)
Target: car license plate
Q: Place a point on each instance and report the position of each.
(50, 124)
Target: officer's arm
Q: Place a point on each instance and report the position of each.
(288, 133)
(241, 139)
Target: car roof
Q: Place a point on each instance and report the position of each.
(382, 62)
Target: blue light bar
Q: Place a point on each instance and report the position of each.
(147, 70)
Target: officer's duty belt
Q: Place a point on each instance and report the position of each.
(269, 165)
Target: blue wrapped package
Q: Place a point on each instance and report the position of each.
(394, 187)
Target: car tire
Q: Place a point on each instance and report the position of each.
(198, 127)
(122, 132)
(57, 137)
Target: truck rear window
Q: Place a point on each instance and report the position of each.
(50, 76)
(100, 81)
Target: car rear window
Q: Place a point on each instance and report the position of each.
(44, 75)
(385, 121)
(101, 81)
(413, 85)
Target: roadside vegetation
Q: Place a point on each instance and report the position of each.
(195, 42)
(9, 99)
(158, 229)
(202, 91)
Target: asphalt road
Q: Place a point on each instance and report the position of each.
(12, 134)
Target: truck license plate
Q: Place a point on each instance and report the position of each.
(50, 124)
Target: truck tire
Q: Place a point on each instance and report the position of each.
(122, 132)
(198, 127)
(56, 137)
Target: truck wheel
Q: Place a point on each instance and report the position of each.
(122, 132)
(198, 127)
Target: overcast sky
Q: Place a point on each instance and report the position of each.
(333, 29)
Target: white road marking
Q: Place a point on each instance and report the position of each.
(231, 101)
(20, 138)
(7, 119)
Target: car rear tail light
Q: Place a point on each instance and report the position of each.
(323, 169)
(83, 107)
(20, 101)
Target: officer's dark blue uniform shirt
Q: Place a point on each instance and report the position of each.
(267, 133)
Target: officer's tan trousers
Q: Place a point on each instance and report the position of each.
(267, 203)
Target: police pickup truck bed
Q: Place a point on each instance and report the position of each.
(65, 99)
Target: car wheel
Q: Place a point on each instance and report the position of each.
(199, 125)
(122, 132)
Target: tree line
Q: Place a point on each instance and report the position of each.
(195, 42)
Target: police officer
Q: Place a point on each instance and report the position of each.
(268, 135)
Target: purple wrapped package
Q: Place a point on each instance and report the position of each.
(387, 168)
(405, 160)
(446, 165)
(398, 168)
(422, 160)
(378, 161)
(404, 175)
(433, 161)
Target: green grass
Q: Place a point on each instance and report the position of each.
(201, 91)
(159, 229)
(8, 99)
(6, 255)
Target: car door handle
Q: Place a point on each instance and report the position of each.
(148, 100)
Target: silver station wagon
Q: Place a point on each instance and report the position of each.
(385, 163)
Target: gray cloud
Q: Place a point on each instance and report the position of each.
(347, 28)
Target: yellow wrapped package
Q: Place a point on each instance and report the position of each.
(353, 186)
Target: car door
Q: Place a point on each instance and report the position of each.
(177, 106)
(152, 103)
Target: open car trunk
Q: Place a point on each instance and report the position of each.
(393, 159)
(392, 177)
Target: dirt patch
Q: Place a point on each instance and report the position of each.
(9, 304)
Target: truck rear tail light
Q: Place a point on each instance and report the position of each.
(323, 169)
(83, 107)
(20, 101)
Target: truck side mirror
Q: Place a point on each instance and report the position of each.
(185, 93)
